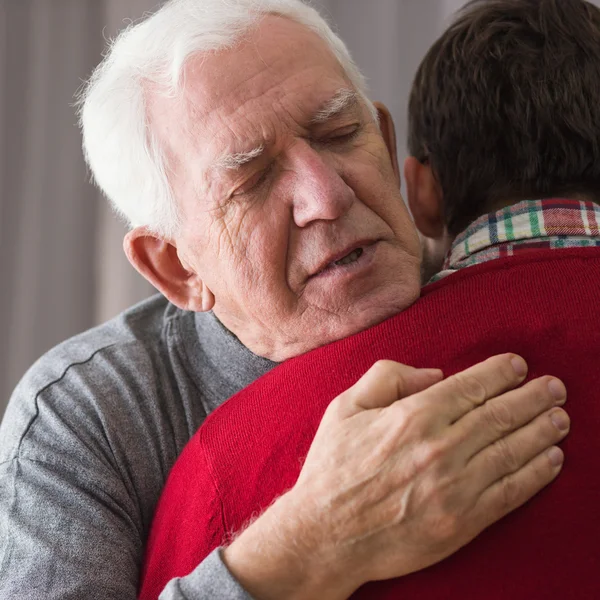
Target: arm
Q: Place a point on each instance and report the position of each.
(64, 537)
(80, 472)
(61, 538)
(210, 580)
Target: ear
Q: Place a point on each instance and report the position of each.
(158, 261)
(388, 131)
(425, 198)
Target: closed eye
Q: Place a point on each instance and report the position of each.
(341, 136)
(250, 184)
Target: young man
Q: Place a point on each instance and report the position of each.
(505, 170)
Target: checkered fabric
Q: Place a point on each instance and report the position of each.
(528, 225)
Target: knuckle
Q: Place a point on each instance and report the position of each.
(470, 388)
(444, 502)
(407, 427)
(429, 454)
(335, 408)
(535, 394)
(381, 370)
(391, 372)
(510, 494)
(500, 417)
(382, 367)
(447, 526)
(506, 456)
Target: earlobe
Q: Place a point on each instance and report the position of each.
(388, 131)
(424, 198)
(158, 261)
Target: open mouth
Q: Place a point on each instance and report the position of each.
(358, 256)
(349, 258)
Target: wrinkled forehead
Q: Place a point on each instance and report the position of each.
(279, 77)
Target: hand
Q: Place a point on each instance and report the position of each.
(390, 487)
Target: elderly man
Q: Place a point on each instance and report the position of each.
(236, 138)
(521, 274)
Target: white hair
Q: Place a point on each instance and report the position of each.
(124, 156)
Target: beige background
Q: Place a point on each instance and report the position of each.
(62, 269)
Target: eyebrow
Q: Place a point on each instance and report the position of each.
(237, 159)
(342, 101)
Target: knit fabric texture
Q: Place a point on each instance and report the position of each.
(542, 305)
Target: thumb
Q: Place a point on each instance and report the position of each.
(385, 383)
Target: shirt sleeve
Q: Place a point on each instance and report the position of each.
(63, 536)
(210, 580)
(62, 540)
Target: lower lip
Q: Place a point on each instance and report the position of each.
(363, 261)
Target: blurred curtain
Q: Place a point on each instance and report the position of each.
(62, 269)
(61, 265)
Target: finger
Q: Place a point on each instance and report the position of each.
(513, 452)
(517, 488)
(386, 382)
(506, 413)
(461, 393)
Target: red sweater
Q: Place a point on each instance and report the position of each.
(542, 305)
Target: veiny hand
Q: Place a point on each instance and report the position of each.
(392, 486)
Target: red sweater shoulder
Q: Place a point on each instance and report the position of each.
(541, 305)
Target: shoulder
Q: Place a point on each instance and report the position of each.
(541, 266)
(98, 376)
(139, 327)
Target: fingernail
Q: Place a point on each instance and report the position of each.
(556, 456)
(557, 389)
(519, 365)
(560, 420)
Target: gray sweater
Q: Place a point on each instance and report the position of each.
(87, 442)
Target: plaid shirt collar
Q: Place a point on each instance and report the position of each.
(528, 225)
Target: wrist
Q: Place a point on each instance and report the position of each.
(277, 558)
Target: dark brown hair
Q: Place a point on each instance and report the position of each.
(506, 105)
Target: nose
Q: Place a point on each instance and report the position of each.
(320, 193)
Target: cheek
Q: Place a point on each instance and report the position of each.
(375, 186)
(371, 176)
(368, 170)
(257, 242)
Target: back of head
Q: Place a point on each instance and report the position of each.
(506, 105)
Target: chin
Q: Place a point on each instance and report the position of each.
(331, 328)
(380, 311)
